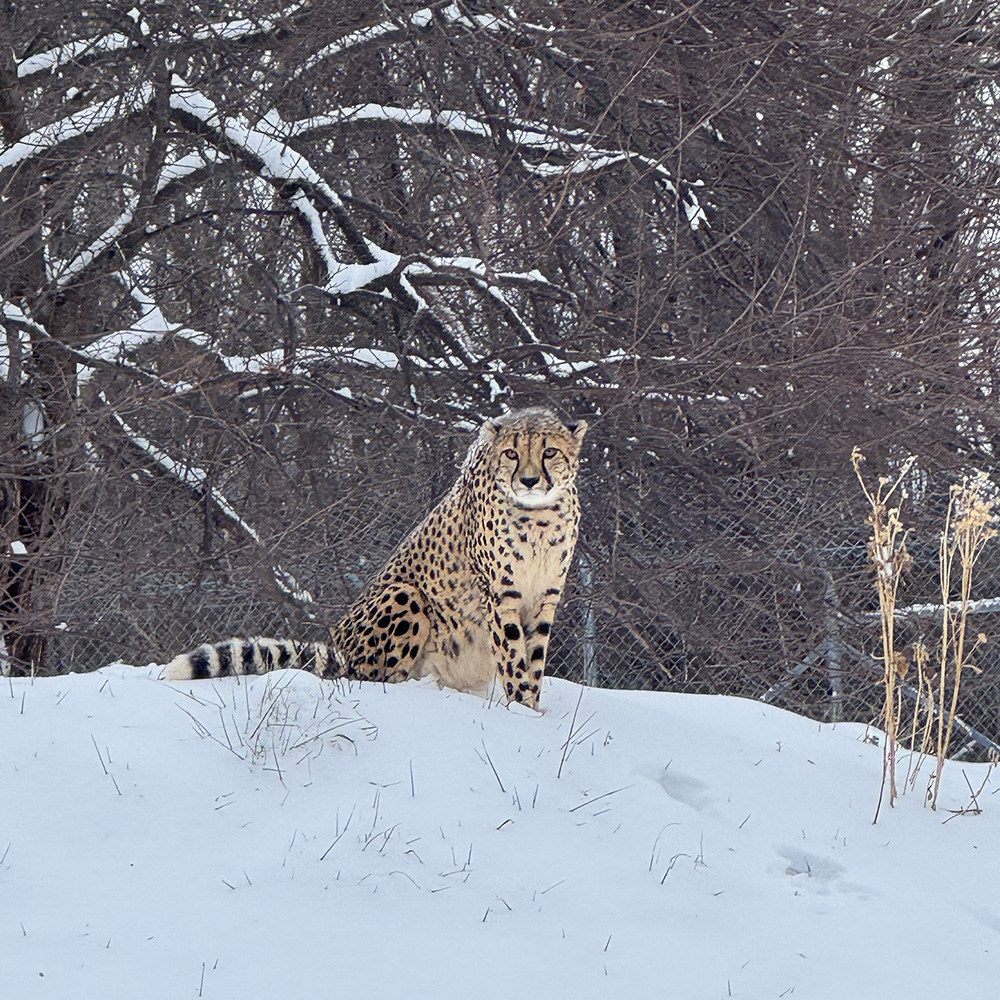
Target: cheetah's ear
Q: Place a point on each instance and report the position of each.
(577, 430)
(490, 431)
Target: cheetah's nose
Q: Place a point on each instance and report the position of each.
(530, 481)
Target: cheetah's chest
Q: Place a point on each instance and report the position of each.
(535, 546)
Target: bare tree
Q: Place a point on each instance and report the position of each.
(261, 271)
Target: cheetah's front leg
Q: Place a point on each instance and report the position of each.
(537, 629)
(509, 652)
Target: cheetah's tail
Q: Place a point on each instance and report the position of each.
(253, 656)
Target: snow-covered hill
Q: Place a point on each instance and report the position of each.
(284, 838)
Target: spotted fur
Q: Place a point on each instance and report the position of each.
(470, 594)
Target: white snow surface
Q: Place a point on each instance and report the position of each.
(282, 836)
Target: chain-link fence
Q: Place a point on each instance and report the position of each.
(736, 585)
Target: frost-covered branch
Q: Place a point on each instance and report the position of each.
(309, 194)
(79, 123)
(115, 41)
(198, 480)
(541, 148)
(384, 30)
(64, 273)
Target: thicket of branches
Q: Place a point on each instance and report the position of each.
(263, 268)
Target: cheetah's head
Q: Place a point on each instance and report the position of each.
(533, 456)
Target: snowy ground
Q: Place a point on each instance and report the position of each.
(268, 839)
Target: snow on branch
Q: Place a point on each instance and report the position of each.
(80, 123)
(13, 316)
(362, 36)
(107, 352)
(276, 161)
(197, 479)
(187, 165)
(72, 51)
(66, 272)
(449, 14)
(17, 344)
(115, 41)
(474, 271)
(538, 137)
(151, 326)
(575, 149)
(269, 361)
(266, 146)
(557, 153)
(474, 268)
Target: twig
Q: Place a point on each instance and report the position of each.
(339, 835)
(98, 749)
(499, 782)
(572, 723)
(597, 798)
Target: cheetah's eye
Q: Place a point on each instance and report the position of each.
(511, 454)
(550, 453)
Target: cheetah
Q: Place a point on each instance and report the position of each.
(470, 594)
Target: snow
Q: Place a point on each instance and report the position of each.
(151, 326)
(67, 273)
(279, 161)
(52, 59)
(33, 425)
(88, 120)
(985, 605)
(187, 164)
(364, 35)
(566, 369)
(271, 361)
(265, 837)
(537, 137)
(418, 20)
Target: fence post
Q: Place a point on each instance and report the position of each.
(589, 642)
(834, 649)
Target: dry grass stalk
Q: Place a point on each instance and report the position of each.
(969, 525)
(923, 708)
(887, 551)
